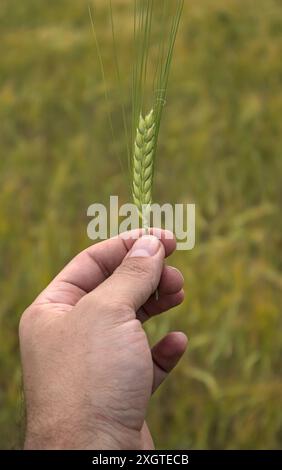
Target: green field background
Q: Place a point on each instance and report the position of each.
(220, 147)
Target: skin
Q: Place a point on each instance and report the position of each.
(88, 369)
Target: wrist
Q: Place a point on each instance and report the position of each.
(75, 436)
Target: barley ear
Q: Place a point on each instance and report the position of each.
(143, 164)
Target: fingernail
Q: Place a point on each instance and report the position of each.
(145, 247)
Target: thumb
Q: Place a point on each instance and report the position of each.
(138, 276)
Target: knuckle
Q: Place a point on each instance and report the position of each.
(25, 320)
(28, 319)
(138, 270)
(121, 308)
(139, 267)
(100, 306)
(118, 308)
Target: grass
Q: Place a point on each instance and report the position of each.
(223, 128)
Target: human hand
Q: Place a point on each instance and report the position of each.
(88, 369)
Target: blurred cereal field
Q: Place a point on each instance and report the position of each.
(221, 147)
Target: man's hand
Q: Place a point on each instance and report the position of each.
(88, 369)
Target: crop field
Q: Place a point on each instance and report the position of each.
(220, 148)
